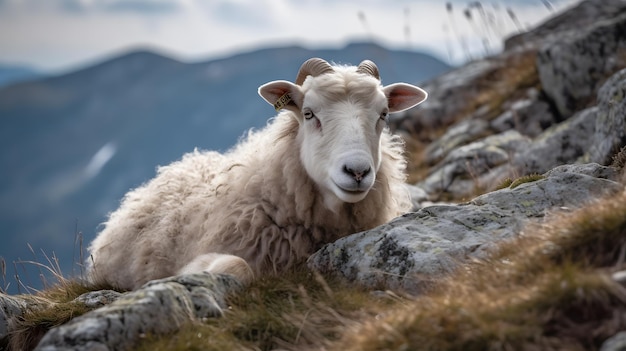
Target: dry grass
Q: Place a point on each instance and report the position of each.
(296, 311)
(47, 309)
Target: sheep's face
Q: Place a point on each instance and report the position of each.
(342, 115)
(342, 118)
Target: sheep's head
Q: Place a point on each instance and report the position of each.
(342, 112)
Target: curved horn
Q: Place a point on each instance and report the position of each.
(368, 67)
(313, 67)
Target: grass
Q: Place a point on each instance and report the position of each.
(291, 312)
(47, 309)
(512, 184)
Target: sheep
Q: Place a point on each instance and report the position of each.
(325, 167)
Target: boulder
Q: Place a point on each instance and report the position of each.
(572, 68)
(159, 307)
(411, 251)
(610, 121)
(583, 15)
(592, 135)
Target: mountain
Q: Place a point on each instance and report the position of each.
(10, 74)
(74, 144)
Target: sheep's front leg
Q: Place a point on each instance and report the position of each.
(220, 263)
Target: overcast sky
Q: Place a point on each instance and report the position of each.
(57, 35)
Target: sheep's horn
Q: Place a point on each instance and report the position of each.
(313, 67)
(368, 67)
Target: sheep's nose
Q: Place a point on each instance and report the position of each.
(358, 173)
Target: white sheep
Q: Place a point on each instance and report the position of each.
(324, 168)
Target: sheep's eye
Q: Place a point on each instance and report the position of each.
(308, 114)
(384, 115)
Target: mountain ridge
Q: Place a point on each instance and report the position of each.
(11, 74)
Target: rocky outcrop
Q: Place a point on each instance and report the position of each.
(159, 307)
(118, 321)
(413, 250)
(594, 134)
(563, 96)
(572, 68)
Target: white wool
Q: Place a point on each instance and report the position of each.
(256, 202)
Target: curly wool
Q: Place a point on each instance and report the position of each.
(256, 202)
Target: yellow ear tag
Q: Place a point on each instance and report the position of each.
(282, 101)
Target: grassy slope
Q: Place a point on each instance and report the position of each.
(549, 289)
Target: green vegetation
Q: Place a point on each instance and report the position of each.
(512, 184)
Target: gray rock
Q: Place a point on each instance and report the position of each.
(560, 144)
(610, 128)
(529, 116)
(96, 299)
(159, 307)
(462, 170)
(448, 97)
(583, 15)
(572, 68)
(615, 343)
(10, 307)
(418, 196)
(412, 250)
(459, 134)
(590, 136)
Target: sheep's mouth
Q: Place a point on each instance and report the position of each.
(352, 191)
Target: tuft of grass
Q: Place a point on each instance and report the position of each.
(35, 322)
(525, 179)
(505, 183)
(619, 159)
(47, 309)
(295, 311)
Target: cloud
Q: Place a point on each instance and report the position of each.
(241, 13)
(142, 6)
(60, 34)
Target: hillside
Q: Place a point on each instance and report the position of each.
(76, 143)
(516, 239)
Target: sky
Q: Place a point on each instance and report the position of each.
(60, 35)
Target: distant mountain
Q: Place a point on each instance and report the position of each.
(10, 74)
(72, 145)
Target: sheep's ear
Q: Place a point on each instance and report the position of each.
(282, 94)
(402, 96)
